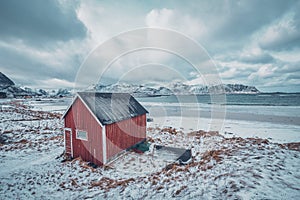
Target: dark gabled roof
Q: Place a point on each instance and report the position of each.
(112, 107)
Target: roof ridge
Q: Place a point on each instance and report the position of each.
(108, 111)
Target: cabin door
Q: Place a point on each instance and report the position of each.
(68, 142)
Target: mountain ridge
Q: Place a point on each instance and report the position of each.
(177, 88)
(9, 89)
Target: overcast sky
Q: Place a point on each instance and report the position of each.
(44, 43)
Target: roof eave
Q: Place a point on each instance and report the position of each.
(92, 113)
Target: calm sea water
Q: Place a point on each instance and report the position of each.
(277, 104)
(264, 99)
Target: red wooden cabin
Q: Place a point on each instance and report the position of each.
(98, 126)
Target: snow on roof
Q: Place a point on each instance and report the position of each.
(112, 107)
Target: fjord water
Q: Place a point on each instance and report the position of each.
(271, 116)
(270, 107)
(261, 99)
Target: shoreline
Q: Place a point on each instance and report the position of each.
(159, 111)
(229, 128)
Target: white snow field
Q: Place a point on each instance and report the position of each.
(238, 166)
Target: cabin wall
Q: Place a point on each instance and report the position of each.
(124, 134)
(79, 118)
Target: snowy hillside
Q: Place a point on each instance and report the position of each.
(8, 89)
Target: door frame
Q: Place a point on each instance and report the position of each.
(70, 130)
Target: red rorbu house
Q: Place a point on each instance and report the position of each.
(99, 126)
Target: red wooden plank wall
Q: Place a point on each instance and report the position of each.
(80, 118)
(124, 134)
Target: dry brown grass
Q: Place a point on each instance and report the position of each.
(23, 141)
(159, 187)
(74, 183)
(217, 155)
(291, 146)
(150, 139)
(18, 107)
(201, 133)
(106, 183)
(238, 142)
(257, 141)
(170, 130)
(171, 166)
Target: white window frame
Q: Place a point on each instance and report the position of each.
(79, 138)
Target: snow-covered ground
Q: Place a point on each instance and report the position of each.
(225, 166)
(279, 133)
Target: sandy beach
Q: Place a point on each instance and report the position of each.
(223, 112)
(281, 126)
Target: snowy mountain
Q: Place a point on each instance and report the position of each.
(8, 87)
(176, 88)
(5, 81)
(10, 90)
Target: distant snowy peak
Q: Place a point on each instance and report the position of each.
(176, 88)
(225, 88)
(238, 88)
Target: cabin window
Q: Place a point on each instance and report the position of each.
(82, 135)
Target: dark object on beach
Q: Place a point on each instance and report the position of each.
(141, 147)
(184, 155)
(149, 119)
(92, 165)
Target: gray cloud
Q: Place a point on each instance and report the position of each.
(39, 41)
(231, 23)
(259, 58)
(29, 70)
(288, 67)
(38, 22)
(251, 41)
(235, 72)
(285, 33)
(293, 76)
